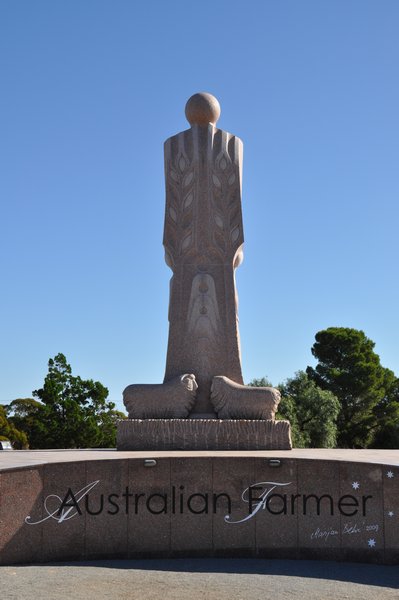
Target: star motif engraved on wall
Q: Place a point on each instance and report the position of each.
(390, 513)
(356, 485)
(390, 474)
(371, 543)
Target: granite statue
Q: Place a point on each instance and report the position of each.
(203, 240)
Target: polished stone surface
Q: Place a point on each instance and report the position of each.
(104, 535)
(324, 504)
(193, 536)
(57, 479)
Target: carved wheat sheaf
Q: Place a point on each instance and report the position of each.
(179, 212)
(227, 213)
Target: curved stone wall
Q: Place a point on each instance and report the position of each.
(79, 506)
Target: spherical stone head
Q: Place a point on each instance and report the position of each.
(202, 109)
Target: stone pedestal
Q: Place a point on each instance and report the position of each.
(203, 434)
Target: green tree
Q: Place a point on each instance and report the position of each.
(387, 414)
(27, 415)
(311, 411)
(107, 423)
(286, 411)
(8, 431)
(351, 370)
(74, 413)
(261, 382)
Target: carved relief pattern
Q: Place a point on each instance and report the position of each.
(179, 221)
(203, 232)
(204, 327)
(203, 312)
(227, 231)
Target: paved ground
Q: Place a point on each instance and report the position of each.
(29, 458)
(205, 579)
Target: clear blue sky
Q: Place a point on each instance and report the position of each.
(90, 89)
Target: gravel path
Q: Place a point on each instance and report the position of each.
(205, 579)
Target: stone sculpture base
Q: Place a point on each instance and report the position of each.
(203, 434)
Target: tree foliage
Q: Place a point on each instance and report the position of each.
(261, 382)
(72, 412)
(387, 414)
(8, 431)
(311, 411)
(26, 415)
(351, 370)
